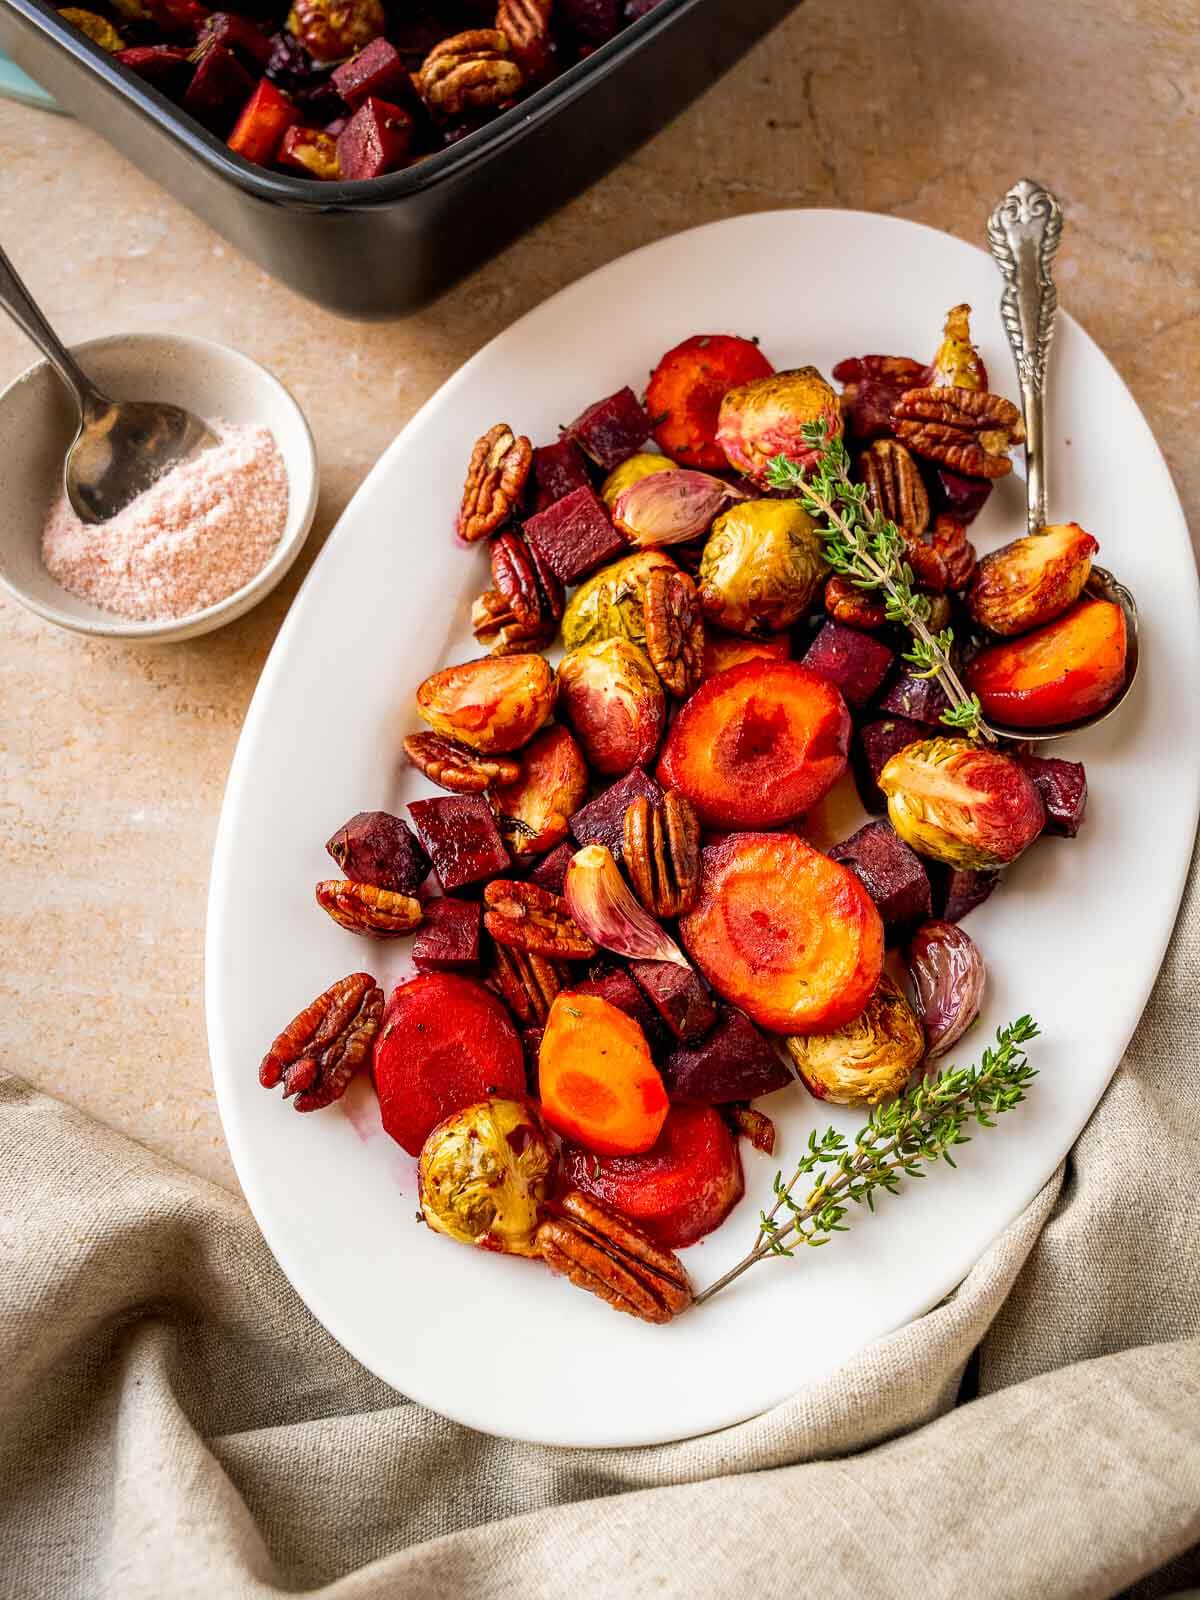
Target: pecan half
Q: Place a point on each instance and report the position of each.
(452, 766)
(846, 602)
(895, 487)
(526, 982)
(365, 908)
(320, 1050)
(662, 853)
(751, 1124)
(533, 919)
(496, 475)
(944, 558)
(522, 609)
(501, 632)
(968, 430)
(526, 26)
(468, 72)
(600, 1251)
(674, 630)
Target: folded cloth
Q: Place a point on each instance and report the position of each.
(174, 1423)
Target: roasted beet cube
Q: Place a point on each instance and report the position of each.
(265, 118)
(167, 66)
(869, 413)
(735, 1062)
(551, 871)
(612, 430)
(678, 995)
(574, 535)
(1063, 788)
(219, 89)
(892, 874)
(874, 745)
(918, 699)
(374, 141)
(375, 847)
(602, 820)
(558, 470)
(963, 498)
(238, 35)
(448, 939)
(957, 890)
(460, 834)
(378, 72)
(618, 988)
(592, 22)
(855, 662)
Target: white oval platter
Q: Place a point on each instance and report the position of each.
(1074, 936)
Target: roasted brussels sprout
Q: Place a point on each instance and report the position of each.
(1032, 580)
(643, 465)
(612, 697)
(496, 703)
(98, 29)
(962, 804)
(865, 1060)
(761, 568)
(767, 418)
(957, 364)
(611, 604)
(485, 1174)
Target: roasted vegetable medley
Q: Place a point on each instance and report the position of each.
(621, 934)
(349, 89)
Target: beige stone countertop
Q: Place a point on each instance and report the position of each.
(115, 756)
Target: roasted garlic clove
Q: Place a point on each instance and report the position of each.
(603, 905)
(948, 976)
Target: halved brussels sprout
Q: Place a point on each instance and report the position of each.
(611, 604)
(962, 804)
(767, 418)
(761, 568)
(484, 1175)
(866, 1060)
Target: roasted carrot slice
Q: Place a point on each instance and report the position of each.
(1071, 668)
(597, 1082)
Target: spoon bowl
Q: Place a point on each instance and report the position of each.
(1023, 235)
(122, 446)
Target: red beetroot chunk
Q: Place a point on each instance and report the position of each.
(619, 989)
(448, 939)
(891, 873)
(957, 890)
(242, 37)
(678, 995)
(460, 835)
(167, 66)
(378, 72)
(551, 871)
(874, 745)
(963, 498)
(219, 89)
(602, 820)
(851, 660)
(574, 535)
(869, 415)
(558, 470)
(612, 430)
(919, 699)
(1063, 788)
(374, 141)
(375, 847)
(593, 22)
(735, 1062)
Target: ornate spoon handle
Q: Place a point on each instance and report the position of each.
(1023, 233)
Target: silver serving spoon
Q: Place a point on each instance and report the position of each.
(1023, 235)
(122, 446)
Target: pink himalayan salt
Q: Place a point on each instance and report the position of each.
(191, 539)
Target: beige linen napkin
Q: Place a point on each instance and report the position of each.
(173, 1423)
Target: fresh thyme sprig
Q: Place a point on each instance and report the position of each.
(920, 1126)
(864, 547)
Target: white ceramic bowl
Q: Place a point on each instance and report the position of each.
(37, 423)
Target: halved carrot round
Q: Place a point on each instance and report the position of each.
(785, 933)
(596, 1080)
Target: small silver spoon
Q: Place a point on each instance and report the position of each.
(122, 446)
(1023, 235)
